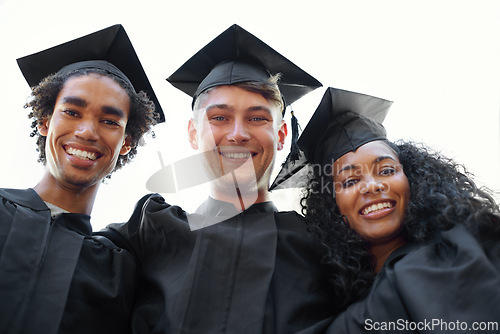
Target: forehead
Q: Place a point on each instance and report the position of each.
(234, 97)
(367, 154)
(96, 88)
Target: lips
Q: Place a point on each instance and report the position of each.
(236, 154)
(375, 208)
(82, 153)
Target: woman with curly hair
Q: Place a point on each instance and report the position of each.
(408, 241)
(55, 277)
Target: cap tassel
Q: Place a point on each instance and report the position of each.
(294, 148)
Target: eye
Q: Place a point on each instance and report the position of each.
(387, 171)
(258, 118)
(218, 118)
(349, 183)
(70, 112)
(110, 122)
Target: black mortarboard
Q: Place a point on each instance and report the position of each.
(109, 49)
(238, 56)
(342, 122)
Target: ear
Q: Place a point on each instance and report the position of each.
(193, 134)
(43, 128)
(126, 146)
(282, 133)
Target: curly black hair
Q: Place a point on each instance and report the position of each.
(142, 114)
(442, 195)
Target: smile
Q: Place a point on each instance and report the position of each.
(84, 155)
(377, 207)
(233, 155)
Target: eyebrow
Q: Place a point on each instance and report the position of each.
(260, 108)
(229, 108)
(383, 157)
(79, 102)
(113, 111)
(375, 161)
(217, 106)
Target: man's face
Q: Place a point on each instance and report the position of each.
(86, 132)
(240, 131)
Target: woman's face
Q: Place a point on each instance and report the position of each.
(372, 191)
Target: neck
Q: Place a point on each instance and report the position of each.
(382, 251)
(73, 199)
(240, 199)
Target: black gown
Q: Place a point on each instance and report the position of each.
(255, 272)
(54, 276)
(450, 286)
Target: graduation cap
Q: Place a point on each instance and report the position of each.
(238, 56)
(109, 49)
(342, 122)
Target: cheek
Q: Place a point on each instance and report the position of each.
(209, 135)
(403, 187)
(115, 142)
(344, 202)
(267, 135)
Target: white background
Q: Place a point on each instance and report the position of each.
(438, 60)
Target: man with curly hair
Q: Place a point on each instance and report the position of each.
(55, 277)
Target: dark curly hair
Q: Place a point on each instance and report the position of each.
(442, 195)
(142, 114)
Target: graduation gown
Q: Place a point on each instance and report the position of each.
(54, 276)
(255, 272)
(445, 286)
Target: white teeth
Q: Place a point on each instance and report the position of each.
(376, 207)
(237, 155)
(82, 154)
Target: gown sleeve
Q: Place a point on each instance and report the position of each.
(451, 285)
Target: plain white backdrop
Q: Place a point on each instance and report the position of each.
(438, 60)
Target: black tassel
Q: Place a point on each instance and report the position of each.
(294, 148)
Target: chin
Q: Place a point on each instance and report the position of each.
(81, 182)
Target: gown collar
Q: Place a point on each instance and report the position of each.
(215, 208)
(28, 198)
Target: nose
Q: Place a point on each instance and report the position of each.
(238, 132)
(372, 185)
(87, 130)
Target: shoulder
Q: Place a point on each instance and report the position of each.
(151, 214)
(290, 216)
(450, 278)
(291, 220)
(454, 268)
(293, 233)
(24, 197)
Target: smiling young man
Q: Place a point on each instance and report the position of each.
(239, 131)
(54, 276)
(244, 267)
(84, 137)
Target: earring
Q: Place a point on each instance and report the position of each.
(344, 220)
